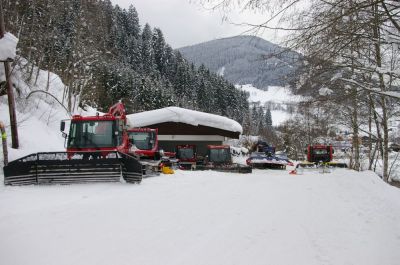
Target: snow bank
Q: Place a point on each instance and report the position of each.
(176, 114)
(8, 46)
(38, 118)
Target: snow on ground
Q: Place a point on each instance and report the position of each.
(268, 217)
(279, 116)
(276, 94)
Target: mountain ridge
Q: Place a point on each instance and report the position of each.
(245, 60)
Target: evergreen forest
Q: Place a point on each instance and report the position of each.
(104, 54)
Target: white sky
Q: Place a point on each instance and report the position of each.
(186, 22)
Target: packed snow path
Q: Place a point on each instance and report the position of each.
(268, 217)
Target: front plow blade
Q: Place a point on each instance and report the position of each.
(57, 168)
(232, 168)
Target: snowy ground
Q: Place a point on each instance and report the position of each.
(268, 217)
(275, 94)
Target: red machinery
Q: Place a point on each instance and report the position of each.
(144, 143)
(100, 134)
(319, 156)
(319, 153)
(219, 158)
(186, 154)
(97, 150)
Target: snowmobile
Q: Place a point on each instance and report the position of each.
(97, 151)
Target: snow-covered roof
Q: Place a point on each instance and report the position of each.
(8, 46)
(176, 114)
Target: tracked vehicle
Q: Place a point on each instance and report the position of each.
(219, 158)
(319, 157)
(96, 151)
(264, 157)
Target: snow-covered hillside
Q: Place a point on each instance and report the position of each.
(39, 116)
(268, 217)
(275, 95)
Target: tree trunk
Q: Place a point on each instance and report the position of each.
(384, 122)
(356, 144)
(10, 92)
(370, 155)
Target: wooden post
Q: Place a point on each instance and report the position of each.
(10, 92)
(4, 140)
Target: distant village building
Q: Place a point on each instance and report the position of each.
(179, 126)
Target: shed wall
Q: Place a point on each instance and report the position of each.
(201, 146)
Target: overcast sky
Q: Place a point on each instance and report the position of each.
(186, 22)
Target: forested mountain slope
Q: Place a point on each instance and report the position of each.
(103, 54)
(245, 60)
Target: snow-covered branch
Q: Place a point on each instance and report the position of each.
(393, 94)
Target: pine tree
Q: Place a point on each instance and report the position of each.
(159, 47)
(147, 50)
(102, 55)
(268, 118)
(133, 26)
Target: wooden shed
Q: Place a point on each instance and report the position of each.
(178, 126)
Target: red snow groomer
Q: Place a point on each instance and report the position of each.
(219, 158)
(97, 151)
(187, 157)
(319, 156)
(144, 144)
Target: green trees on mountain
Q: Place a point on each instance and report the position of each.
(103, 54)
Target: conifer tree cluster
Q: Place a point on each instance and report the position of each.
(258, 121)
(103, 54)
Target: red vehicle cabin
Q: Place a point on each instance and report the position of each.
(186, 155)
(144, 142)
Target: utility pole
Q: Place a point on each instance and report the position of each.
(10, 92)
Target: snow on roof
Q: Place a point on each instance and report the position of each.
(8, 46)
(176, 114)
